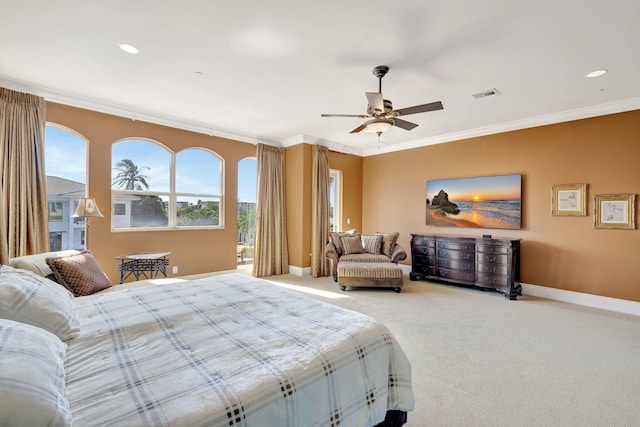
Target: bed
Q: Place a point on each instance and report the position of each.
(228, 350)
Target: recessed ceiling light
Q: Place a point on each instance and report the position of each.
(128, 48)
(597, 73)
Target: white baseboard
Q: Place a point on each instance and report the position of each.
(299, 271)
(589, 300)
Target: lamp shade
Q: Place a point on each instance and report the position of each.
(378, 126)
(87, 207)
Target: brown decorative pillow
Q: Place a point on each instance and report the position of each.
(80, 273)
(372, 243)
(351, 244)
(388, 242)
(335, 239)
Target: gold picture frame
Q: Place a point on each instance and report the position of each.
(615, 211)
(569, 200)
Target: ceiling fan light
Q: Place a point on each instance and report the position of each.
(378, 126)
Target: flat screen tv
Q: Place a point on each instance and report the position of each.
(480, 202)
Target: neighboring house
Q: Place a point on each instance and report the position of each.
(65, 232)
(121, 217)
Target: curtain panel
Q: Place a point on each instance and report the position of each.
(23, 184)
(320, 210)
(271, 254)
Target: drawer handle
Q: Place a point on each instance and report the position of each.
(467, 256)
(491, 258)
(492, 269)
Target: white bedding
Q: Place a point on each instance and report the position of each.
(230, 350)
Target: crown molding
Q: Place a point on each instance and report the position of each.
(314, 140)
(94, 104)
(629, 104)
(101, 106)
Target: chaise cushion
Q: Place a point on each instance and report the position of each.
(352, 244)
(364, 257)
(388, 242)
(372, 243)
(335, 239)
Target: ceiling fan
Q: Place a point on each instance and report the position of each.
(381, 111)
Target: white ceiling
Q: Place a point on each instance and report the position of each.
(266, 70)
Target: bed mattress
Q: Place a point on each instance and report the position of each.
(230, 350)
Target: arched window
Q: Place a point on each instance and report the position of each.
(153, 187)
(66, 169)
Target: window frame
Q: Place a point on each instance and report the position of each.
(336, 200)
(172, 195)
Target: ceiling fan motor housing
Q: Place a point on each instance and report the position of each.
(388, 107)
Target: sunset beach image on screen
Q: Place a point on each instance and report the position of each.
(481, 202)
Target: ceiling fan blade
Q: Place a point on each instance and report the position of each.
(420, 108)
(362, 116)
(375, 101)
(359, 128)
(404, 124)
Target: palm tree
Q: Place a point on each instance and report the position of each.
(129, 176)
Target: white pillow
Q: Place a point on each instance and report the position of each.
(38, 262)
(28, 298)
(32, 378)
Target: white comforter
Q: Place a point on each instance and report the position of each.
(230, 350)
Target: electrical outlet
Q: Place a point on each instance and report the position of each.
(175, 269)
(348, 220)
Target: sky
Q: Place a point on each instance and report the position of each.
(65, 157)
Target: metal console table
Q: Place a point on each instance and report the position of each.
(146, 265)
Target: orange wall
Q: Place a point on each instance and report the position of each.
(558, 252)
(193, 251)
(299, 181)
(298, 193)
(351, 167)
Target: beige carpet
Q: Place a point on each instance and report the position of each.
(481, 360)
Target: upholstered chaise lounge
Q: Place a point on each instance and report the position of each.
(365, 260)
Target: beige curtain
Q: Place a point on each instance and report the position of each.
(319, 210)
(271, 254)
(23, 184)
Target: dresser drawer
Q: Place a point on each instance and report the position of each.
(423, 241)
(492, 258)
(492, 268)
(492, 249)
(492, 281)
(428, 270)
(424, 250)
(460, 276)
(423, 260)
(456, 264)
(456, 246)
(451, 254)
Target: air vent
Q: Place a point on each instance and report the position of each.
(486, 93)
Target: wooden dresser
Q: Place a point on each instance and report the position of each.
(486, 263)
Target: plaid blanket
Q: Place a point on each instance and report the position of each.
(230, 350)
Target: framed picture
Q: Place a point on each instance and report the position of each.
(615, 211)
(569, 200)
(480, 202)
